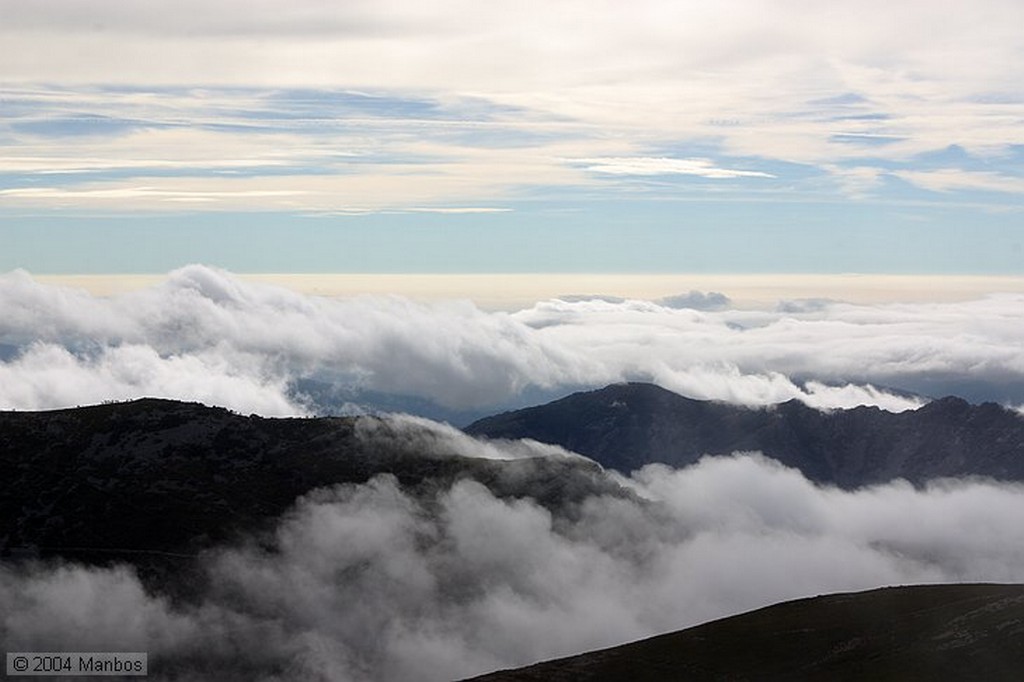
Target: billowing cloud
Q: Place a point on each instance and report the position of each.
(47, 375)
(204, 334)
(372, 582)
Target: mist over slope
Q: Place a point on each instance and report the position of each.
(626, 426)
(170, 477)
(414, 552)
(206, 335)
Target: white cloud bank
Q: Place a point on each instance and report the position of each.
(368, 583)
(206, 335)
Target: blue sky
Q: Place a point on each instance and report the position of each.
(512, 137)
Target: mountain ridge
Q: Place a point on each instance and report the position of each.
(163, 478)
(626, 426)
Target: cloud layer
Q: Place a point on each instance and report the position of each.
(206, 335)
(370, 582)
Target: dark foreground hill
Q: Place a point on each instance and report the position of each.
(152, 481)
(626, 426)
(927, 632)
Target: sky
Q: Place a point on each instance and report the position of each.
(550, 137)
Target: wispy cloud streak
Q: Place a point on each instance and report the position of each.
(677, 89)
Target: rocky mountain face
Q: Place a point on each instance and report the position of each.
(626, 426)
(923, 632)
(154, 482)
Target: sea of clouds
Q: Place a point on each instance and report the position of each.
(206, 335)
(372, 582)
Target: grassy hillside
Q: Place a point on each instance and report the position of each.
(925, 632)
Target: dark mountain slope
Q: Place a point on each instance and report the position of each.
(625, 426)
(925, 632)
(152, 479)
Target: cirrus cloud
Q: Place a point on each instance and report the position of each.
(704, 168)
(881, 85)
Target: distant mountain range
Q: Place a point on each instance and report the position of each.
(626, 426)
(923, 632)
